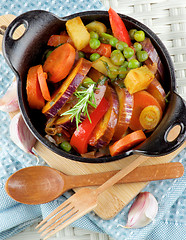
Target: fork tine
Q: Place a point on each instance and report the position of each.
(71, 219)
(59, 208)
(60, 221)
(64, 211)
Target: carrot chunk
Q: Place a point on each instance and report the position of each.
(127, 142)
(42, 77)
(142, 99)
(34, 95)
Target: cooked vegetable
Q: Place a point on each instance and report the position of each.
(85, 97)
(118, 27)
(81, 136)
(142, 99)
(139, 36)
(94, 57)
(103, 50)
(78, 32)
(126, 103)
(97, 27)
(34, 95)
(59, 62)
(153, 57)
(105, 129)
(157, 91)
(100, 65)
(65, 146)
(117, 57)
(133, 63)
(94, 43)
(127, 142)
(67, 88)
(56, 40)
(142, 56)
(42, 78)
(150, 117)
(138, 79)
(128, 52)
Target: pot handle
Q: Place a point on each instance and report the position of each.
(161, 141)
(33, 25)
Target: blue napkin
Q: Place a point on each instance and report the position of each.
(14, 217)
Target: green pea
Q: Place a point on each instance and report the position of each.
(113, 41)
(122, 71)
(65, 146)
(131, 33)
(81, 54)
(139, 36)
(112, 73)
(142, 56)
(94, 57)
(87, 82)
(121, 45)
(137, 46)
(133, 63)
(125, 64)
(94, 43)
(117, 57)
(128, 52)
(94, 35)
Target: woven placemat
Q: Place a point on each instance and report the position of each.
(168, 20)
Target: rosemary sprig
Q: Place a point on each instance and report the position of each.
(86, 97)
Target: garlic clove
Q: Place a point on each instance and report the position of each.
(9, 102)
(20, 134)
(143, 211)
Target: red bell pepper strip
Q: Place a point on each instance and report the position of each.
(104, 49)
(81, 136)
(118, 27)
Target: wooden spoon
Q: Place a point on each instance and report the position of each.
(41, 184)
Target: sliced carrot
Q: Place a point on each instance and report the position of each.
(42, 78)
(127, 142)
(142, 99)
(34, 95)
(56, 40)
(150, 117)
(59, 62)
(104, 49)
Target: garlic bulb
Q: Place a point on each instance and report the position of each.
(9, 102)
(20, 134)
(142, 211)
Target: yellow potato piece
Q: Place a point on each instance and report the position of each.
(100, 66)
(78, 32)
(138, 79)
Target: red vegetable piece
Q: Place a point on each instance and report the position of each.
(56, 40)
(104, 49)
(59, 62)
(34, 95)
(118, 27)
(81, 136)
(42, 78)
(127, 142)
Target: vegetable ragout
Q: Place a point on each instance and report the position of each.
(99, 88)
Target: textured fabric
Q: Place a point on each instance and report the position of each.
(14, 217)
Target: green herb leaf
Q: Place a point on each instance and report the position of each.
(86, 97)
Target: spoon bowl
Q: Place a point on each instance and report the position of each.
(42, 184)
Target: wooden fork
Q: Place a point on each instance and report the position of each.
(82, 202)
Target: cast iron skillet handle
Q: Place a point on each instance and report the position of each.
(35, 22)
(157, 143)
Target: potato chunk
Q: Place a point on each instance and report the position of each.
(138, 79)
(78, 32)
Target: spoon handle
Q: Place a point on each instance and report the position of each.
(139, 174)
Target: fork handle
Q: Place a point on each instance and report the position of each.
(119, 175)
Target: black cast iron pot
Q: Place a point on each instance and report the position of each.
(27, 51)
